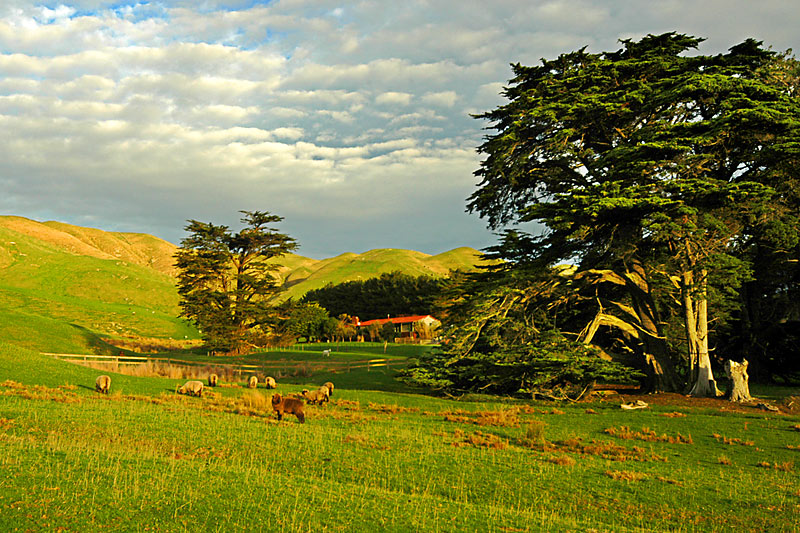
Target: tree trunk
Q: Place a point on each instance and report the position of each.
(661, 374)
(740, 387)
(696, 324)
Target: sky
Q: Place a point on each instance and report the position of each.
(352, 120)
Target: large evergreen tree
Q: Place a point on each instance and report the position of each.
(648, 169)
(226, 279)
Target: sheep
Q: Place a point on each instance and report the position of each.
(326, 353)
(270, 381)
(330, 387)
(195, 388)
(212, 380)
(102, 384)
(253, 383)
(315, 397)
(292, 406)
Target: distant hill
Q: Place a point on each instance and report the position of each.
(63, 286)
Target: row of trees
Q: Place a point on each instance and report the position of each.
(390, 294)
(670, 185)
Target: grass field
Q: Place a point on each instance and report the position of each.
(144, 458)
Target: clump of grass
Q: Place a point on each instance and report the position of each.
(724, 460)
(562, 460)
(534, 435)
(796, 427)
(39, 392)
(479, 439)
(363, 441)
(556, 412)
(606, 450)
(674, 414)
(788, 466)
(590, 412)
(732, 442)
(502, 418)
(790, 447)
(647, 434)
(391, 409)
(348, 405)
(625, 475)
(6, 422)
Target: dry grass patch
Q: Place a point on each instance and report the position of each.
(723, 460)
(732, 442)
(502, 418)
(479, 439)
(6, 423)
(61, 394)
(562, 460)
(391, 409)
(646, 434)
(788, 466)
(606, 450)
(348, 405)
(625, 475)
(674, 414)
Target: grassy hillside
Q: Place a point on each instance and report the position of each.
(58, 291)
(145, 458)
(371, 264)
(62, 286)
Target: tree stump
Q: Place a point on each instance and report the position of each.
(737, 374)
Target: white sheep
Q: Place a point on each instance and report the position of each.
(315, 397)
(212, 380)
(253, 382)
(195, 388)
(102, 384)
(326, 353)
(270, 382)
(330, 387)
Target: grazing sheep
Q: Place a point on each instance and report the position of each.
(102, 384)
(292, 406)
(315, 397)
(195, 388)
(212, 380)
(253, 383)
(330, 387)
(270, 381)
(326, 353)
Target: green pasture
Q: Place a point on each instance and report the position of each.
(75, 298)
(144, 458)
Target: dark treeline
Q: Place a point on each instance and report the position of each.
(393, 294)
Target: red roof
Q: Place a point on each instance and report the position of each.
(396, 320)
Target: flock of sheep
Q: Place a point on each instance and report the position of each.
(291, 404)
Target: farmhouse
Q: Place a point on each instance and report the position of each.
(407, 328)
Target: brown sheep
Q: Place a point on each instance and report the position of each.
(195, 388)
(292, 406)
(212, 380)
(330, 387)
(102, 384)
(270, 382)
(253, 382)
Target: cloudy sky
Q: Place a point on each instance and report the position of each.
(349, 119)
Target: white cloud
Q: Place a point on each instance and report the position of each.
(141, 115)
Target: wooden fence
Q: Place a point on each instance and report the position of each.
(266, 367)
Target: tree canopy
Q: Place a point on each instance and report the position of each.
(653, 173)
(393, 294)
(226, 280)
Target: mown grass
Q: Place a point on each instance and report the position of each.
(145, 458)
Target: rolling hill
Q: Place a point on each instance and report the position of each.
(63, 287)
